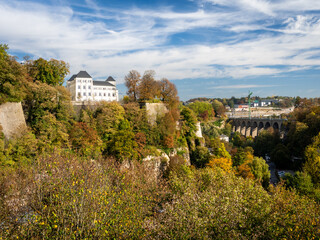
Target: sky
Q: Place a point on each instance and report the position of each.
(207, 48)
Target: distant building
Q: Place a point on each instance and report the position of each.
(83, 88)
(255, 103)
(268, 102)
(241, 107)
(224, 138)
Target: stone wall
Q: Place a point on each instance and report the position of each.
(155, 109)
(198, 132)
(12, 119)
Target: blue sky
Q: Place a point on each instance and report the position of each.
(208, 48)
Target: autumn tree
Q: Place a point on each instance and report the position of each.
(132, 80)
(168, 92)
(85, 140)
(148, 87)
(51, 72)
(221, 162)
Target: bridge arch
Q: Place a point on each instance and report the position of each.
(267, 125)
(248, 129)
(254, 129)
(243, 128)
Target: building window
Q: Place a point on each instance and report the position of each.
(84, 87)
(108, 94)
(89, 87)
(79, 87)
(95, 94)
(104, 94)
(100, 94)
(114, 94)
(84, 94)
(89, 94)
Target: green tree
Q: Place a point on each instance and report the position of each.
(13, 78)
(108, 116)
(203, 110)
(200, 157)
(122, 144)
(312, 164)
(280, 155)
(260, 170)
(265, 142)
(301, 181)
(218, 107)
(51, 72)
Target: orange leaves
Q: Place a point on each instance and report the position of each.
(223, 163)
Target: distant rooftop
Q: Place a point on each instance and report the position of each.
(110, 79)
(103, 83)
(81, 74)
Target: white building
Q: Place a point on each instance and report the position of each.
(83, 88)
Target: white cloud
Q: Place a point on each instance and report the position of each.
(138, 38)
(248, 86)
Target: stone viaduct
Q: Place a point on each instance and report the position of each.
(252, 127)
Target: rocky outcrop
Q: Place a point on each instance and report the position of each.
(154, 110)
(12, 119)
(183, 152)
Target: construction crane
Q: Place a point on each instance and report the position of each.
(249, 100)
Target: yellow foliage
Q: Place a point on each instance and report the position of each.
(244, 171)
(223, 163)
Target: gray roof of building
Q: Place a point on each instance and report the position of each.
(73, 77)
(110, 79)
(81, 74)
(102, 83)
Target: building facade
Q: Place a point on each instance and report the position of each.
(83, 88)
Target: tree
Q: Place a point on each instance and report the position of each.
(108, 116)
(260, 170)
(203, 110)
(200, 157)
(189, 121)
(122, 144)
(312, 164)
(219, 149)
(218, 107)
(223, 163)
(148, 87)
(132, 81)
(242, 156)
(168, 92)
(301, 181)
(85, 139)
(266, 141)
(281, 156)
(13, 78)
(51, 72)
